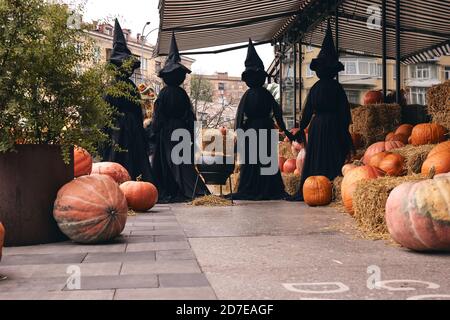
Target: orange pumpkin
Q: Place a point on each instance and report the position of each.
(297, 173)
(82, 162)
(376, 159)
(289, 166)
(112, 169)
(2, 239)
(357, 140)
(440, 161)
(389, 136)
(350, 182)
(405, 129)
(428, 133)
(141, 196)
(373, 97)
(347, 168)
(393, 164)
(418, 214)
(91, 209)
(398, 137)
(317, 191)
(281, 161)
(380, 147)
(444, 146)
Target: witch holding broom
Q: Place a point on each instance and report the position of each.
(327, 114)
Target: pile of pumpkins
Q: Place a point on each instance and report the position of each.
(417, 214)
(93, 208)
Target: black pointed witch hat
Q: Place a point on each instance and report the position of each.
(253, 62)
(328, 58)
(120, 51)
(173, 61)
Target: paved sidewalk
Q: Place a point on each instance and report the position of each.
(152, 260)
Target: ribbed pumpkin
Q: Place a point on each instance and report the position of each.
(393, 164)
(405, 129)
(376, 159)
(281, 161)
(317, 191)
(418, 214)
(398, 137)
(2, 239)
(352, 178)
(82, 162)
(373, 97)
(440, 161)
(289, 166)
(91, 209)
(347, 168)
(444, 146)
(380, 147)
(428, 133)
(357, 140)
(112, 169)
(389, 136)
(141, 196)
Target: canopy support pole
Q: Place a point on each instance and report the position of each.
(384, 48)
(337, 34)
(294, 49)
(397, 54)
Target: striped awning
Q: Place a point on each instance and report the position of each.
(209, 23)
(425, 29)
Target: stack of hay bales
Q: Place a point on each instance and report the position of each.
(439, 104)
(374, 121)
(291, 181)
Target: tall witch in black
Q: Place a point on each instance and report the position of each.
(327, 113)
(129, 134)
(173, 110)
(257, 111)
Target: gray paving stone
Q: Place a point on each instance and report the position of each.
(34, 284)
(147, 224)
(66, 248)
(156, 246)
(161, 267)
(120, 257)
(35, 259)
(59, 295)
(170, 238)
(175, 255)
(118, 282)
(139, 239)
(164, 232)
(183, 280)
(201, 293)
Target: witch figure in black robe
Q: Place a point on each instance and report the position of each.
(128, 135)
(173, 111)
(257, 111)
(327, 114)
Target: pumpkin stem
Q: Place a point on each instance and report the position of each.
(139, 179)
(432, 172)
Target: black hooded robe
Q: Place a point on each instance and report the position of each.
(257, 110)
(173, 110)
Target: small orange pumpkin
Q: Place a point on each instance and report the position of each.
(440, 161)
(389, 136)
(317, 191)
(373, 97)
(82, 162)
(380, 147)
(281, 161)
(376, 159)
(289, 166)
(141, 196)
(112, 169)
(444, 146)
(398, 137)
(393, 164)
(347, 168)
(428, 133)
(405, 129)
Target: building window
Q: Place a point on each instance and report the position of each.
(359, 67)
(420, 72)
(418, 96)
(221, 86)
(309, 72)
(447, 73)
(353, 96)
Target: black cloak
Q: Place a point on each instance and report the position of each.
(257, 110)
(327, 114)
(173, 110)
(129, 132)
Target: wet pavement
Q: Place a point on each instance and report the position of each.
(264, 250)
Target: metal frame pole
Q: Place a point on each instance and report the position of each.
(384, 48)
(398, 53)
(337, 34)
(294, 51)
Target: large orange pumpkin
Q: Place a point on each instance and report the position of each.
(141, 196)
(376, 159)
(289, 166)
(398, 137)
(373, 97)
(380, 147)
(317, 191)
(2, 239)
(428, 133)
(418, 214)
(439, 161)
(405, 129)
(393, 164)
(112, 169)
(350, 181)
(82, 162)
(444, 146)
(91, 209)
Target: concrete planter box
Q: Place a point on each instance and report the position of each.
(29, 182)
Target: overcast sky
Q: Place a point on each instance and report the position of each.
(133, 14)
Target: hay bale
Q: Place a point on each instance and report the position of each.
(337, 183)
(374, 121)
(211, 201)
(439, 103)
(285, 150)
(415, 114)
(291, 183)
(414, 156)
(369, 203)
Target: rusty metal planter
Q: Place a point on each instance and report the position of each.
(29, 182)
